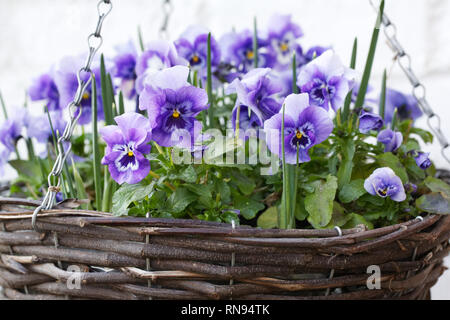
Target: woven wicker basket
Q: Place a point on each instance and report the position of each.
(138, 258)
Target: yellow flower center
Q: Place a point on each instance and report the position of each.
(195, 58)
(250, 54)
(175, 114)
(284, 47)
(85, 96)
(299, 135)
(130, 153)
(383, 192)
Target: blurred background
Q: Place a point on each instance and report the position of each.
(34, 34)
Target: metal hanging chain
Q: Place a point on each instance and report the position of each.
(418, 91)
(167, 9)
(95, 41)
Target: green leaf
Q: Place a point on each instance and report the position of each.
(383, 95)
(436, 202)
(79, 184)
(204, 193)
(413, 169)
(320, 204)
(300, 212)
(426, 136)
(95, 148)
(356, 220)
(388, 159)
(223, 189)
(27, 169)
(248, 207)
(437, 185)
(339, 217)
(189, 175)
(352, 191)
(244, 183)
(348, 99)
(268, 219)
(180, 199)
(346, 168)
(128, 193)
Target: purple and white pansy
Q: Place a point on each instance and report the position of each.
(172, 105)
(369, 121)
(385, 184)
(127, 143)
(44, 89)
(257, 90)
(124, 68)
(304, 127)
(327, 81)
(192, 45)
(282, 35)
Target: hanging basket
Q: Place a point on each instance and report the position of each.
(91, 255)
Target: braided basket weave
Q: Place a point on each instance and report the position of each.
(138, 258)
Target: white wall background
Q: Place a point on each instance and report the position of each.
(36, 33)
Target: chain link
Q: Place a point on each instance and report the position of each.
(167, 9)
(418, 91)
(94, 40)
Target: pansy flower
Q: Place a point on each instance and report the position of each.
(406, 105)
(67, 83)
(127, 144)
(44, 89)
(124, 68)
(369, 121)
(304, 127)
(193, 47)
(422, 160)
(392, 140)
(385, 184)
(327, 81)
(159, 55)
(248, 120)
(282, 35)
(11, 129)
(172, 105)
(257, 90)
(39, 127)
(237, 50)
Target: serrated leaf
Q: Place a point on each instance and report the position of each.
(352, 191)
(320, 204)
(180, 199)
(248, 207)
(127, 194)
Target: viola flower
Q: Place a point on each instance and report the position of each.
(44, 88)
(193, 46)
(391, 140)
(67, 83)
(4, 157)
(159, 55)
(369, 121)
(256, 90)
(304, 127)
(11, 129)
(384, 183)
(172, 105)
(125, 68)
(237, 50)
(126, 147)
(327, 81)
(406, 105)
(314, 53)
(39, 127)
(282, 36)
(422, 160)
(248, 120)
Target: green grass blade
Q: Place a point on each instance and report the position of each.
(107, 193)
(394, 120)
(95, 148)
(383, 95)
(81, 191)
(294, 74)
(2, 102)
(209, 85)
(121, 104)
(140, 38)
(370, 57)
(255, 43)
(106, 95)
(348, 99)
